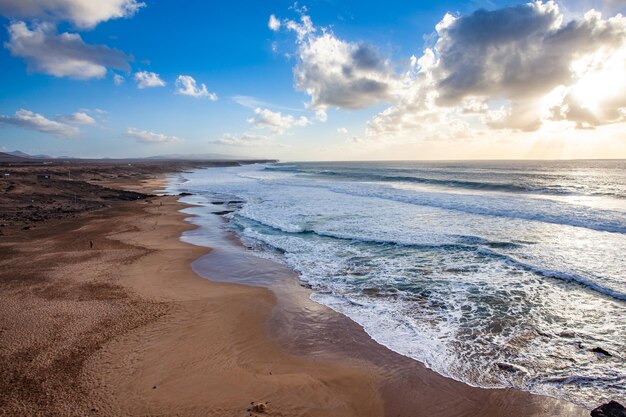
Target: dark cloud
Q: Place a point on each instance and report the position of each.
(365, 57)
(497, 53)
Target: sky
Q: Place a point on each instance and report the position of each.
(315, 80)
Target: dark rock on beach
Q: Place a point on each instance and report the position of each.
(600, 351)
(611, 409)
(509, 367)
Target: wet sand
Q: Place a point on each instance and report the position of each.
(128, 328)
(307, 329)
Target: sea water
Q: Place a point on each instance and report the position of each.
(498, 274)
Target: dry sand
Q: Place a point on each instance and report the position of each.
(128, 328)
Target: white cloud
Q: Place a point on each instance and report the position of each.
(273, 23)
(78, 118)
(474, 106)
(84, 14)
(523, 56)
(118, 79)
(337, 73)
(245, 139)
(414, 108)
(253, 103)
(145, 136)
(303, 28)
(30, 120)
(514, 68)
(342, 130)
(98, 112)
(321, 115)
(65, 54)
(249, 102)
(275, 121)
(147, 79)
(61, 55)
(520, 54)
(186, 85)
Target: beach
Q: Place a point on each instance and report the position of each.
(334, 209)
(129, 327)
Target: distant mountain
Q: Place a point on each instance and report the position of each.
(18, 154)
(9, 157)
(27, 156)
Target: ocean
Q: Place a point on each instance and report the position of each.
(498, 274)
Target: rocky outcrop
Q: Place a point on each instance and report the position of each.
(611, 409)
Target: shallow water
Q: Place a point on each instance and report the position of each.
(496, 274)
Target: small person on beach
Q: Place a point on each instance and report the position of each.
(91, 244)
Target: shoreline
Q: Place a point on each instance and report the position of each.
(297, 323)
(130, 329)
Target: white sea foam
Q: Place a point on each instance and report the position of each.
(477, 285)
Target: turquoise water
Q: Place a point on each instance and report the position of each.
(496, 274)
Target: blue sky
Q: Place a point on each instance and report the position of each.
(361, 81)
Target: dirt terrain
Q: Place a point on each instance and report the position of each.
(35, 192)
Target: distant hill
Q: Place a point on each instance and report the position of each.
(19, 153)
(9, 157)
(27, 156)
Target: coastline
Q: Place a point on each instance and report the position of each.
(129, 329)
(136, 331)
(308, 329)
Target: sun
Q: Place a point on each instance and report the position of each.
(601, 78)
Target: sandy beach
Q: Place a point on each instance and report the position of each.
(129, 327)
(313, 209)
